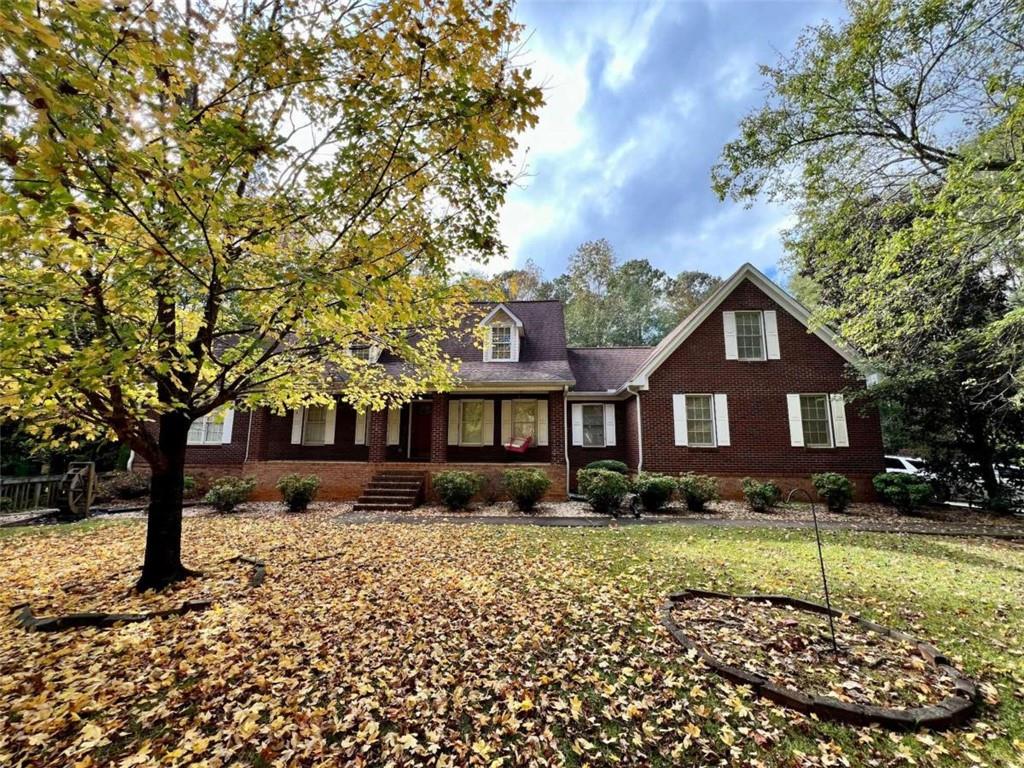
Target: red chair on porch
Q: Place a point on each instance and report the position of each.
(518, 444)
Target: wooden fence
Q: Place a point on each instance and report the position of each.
(20, 493)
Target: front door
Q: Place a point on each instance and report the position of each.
(419, 425)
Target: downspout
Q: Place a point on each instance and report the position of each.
(565, 435)
(248, 438)
(639, 433)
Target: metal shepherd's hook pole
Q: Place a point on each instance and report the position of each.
(821, 562)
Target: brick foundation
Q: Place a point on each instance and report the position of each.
(344, 480)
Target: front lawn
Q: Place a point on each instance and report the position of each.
(468, 645)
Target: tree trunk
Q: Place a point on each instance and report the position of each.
(984, 455)
(162, 565)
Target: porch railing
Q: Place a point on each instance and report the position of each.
(21, 493)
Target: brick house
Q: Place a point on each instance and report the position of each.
(742, 387)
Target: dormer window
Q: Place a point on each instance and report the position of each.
(501, 332)
(501, 342)
(364, 351)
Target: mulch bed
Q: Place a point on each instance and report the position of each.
(782, 647)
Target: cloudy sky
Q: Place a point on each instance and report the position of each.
(640, 98)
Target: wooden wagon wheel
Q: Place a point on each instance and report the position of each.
(78, 488)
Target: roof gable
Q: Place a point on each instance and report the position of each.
(502, 314)
(674, 339)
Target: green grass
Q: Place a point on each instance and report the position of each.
(63, 529)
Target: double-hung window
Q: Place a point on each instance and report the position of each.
(524, 419)
(207, 430)
(314, 427)
(749, 336)
(700, 420)
(593, 425)
(472, 422)
(817, 426)
(501, 342)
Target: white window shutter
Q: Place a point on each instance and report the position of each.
(487, 344)
(679, 418)
(394, 426)
(297, 425)
(721, 420)
(542, 422)
(514, 332)
(731, 352)
(454, 411)
(577, 424)
(609, 424)
(839, 431)
(506, 422)
(330, 416)
(488, 437)
(360, 438)
(229, 422)
(771, 334)
(796, 422)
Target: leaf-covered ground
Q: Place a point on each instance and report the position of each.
(464, 645)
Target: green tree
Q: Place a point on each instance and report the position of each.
(897, 137)
(207, 202)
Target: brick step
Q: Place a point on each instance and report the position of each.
(398, 477)
(389, 497)
(398, 485)
(365, 506)
(377, 493)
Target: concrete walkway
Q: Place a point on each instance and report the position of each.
(917, 527)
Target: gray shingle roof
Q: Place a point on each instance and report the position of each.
(599, 369)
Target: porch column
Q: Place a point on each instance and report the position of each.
(439, 429)
(556, 427)
(378, 436)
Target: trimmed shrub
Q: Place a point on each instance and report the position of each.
(612, 465)
(603, 489)
(526, 487)
(297, 491)
(455, 488)
(654, 490)
(835, 489)
(123, 485)
(761, 497)
(697, 490)
(905, 492)
(226, 493)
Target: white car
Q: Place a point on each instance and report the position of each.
(904, 465)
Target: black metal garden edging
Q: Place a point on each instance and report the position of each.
(951, 711)
(27, 619)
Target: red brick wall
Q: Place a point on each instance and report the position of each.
(758, 416)
(276, 439)
(579, 456)
(488, 453)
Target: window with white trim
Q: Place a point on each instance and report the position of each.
(700, 420)
(749, 336)
(501, 342)
(593, 425)
(817, 425)
(314, 425)
(362, 351)
(207, 430)
(524, 419)
(471, 424)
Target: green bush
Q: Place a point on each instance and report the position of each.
(604, 489)
(226, 493)
(122, 485)
(455, 488)
(697, 490)
(835, 489)
(297, 491)
(905, 492)
(526, 487)
(612, 465)
(654, 490)
(761, 496)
